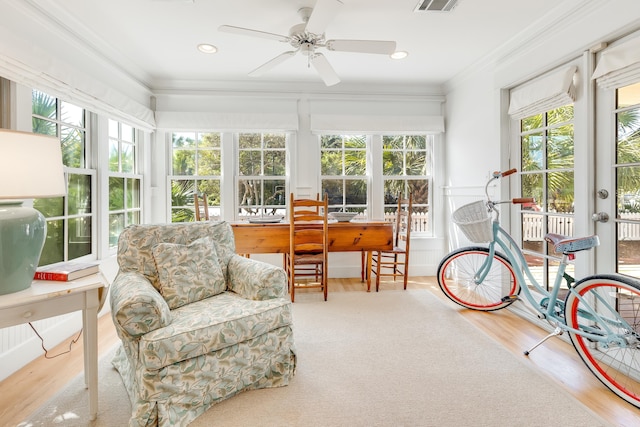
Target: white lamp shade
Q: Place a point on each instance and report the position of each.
(30, 166)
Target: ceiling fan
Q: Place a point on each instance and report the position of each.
(309, 36)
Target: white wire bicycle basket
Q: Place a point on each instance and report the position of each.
(474, 221)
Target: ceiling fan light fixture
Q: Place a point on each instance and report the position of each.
(207, 48)
(400, 54)
(307, 49)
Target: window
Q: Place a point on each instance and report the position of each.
(196, 166)
(69, 218)
(344, 171)
(262, 170)
(406, 162)
(627, 167)
(547, 144)
(407, 168)
(124, 181)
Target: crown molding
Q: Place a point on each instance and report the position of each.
(538, 33)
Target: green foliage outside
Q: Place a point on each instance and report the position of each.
(343, 157)
(262, 163)
(547, 154)
(628, 159)
(406, 156)
(46, 121)
(343, 163)
(548, 158)
(181, 199)
(262, 169)
(194, 154)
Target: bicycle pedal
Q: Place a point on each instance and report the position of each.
(510, 298)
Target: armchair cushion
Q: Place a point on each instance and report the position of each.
(188, 273)
(210, 325)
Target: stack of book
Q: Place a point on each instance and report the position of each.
(66, 271)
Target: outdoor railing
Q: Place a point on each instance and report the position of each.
(533, 230)
(419, 221)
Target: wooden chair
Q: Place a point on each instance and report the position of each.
(395, 263)
(205, 207)
(286, 255)
(307, 260)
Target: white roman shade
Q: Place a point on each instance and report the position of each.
(551, 91)
(224, 113)
(382, 125)
(81, 90)
(350, 117)
(182, 120)
(32, 66)
(619, 65)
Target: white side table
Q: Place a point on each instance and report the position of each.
(47, 299)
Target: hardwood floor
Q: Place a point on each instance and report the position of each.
(29, 388)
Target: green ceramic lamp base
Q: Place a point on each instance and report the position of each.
(22, 234)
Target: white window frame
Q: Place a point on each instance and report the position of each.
(430, 141)
(86, 170)
(127, 176)
(214, 210)
(343, 176)
(261, 177)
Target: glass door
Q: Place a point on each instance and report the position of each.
(547, 174)
(617, 178)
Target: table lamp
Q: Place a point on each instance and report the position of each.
(30, 167)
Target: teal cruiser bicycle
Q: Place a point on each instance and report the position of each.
(601, 313)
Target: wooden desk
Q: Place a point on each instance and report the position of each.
(47, 299)
(353, 236)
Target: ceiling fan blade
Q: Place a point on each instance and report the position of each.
(272, 63)
(362, 46)
(252, 33)
(323, 13)
(324, 69)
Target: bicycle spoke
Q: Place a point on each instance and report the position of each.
(607, 309)
(462, 278)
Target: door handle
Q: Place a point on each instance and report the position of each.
(600, 217)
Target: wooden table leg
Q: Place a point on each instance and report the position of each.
(90, 332)
(368, 274)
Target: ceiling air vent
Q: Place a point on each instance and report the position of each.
(435, 5)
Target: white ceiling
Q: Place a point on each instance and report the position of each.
(154, 41)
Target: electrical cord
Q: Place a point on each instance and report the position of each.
(46, 352)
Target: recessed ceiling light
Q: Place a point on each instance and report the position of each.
(400, 54)
(207, 48)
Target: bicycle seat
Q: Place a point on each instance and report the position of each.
(569, 245)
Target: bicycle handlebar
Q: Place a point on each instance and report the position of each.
(498, 174)
(516, 201)
(523, 200)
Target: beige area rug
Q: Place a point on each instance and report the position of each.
(393, 358)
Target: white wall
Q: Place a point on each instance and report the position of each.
(472, 143)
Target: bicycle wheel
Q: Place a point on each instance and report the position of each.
(457, 279)
(616, 360)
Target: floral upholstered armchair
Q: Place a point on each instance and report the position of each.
(198, 323)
